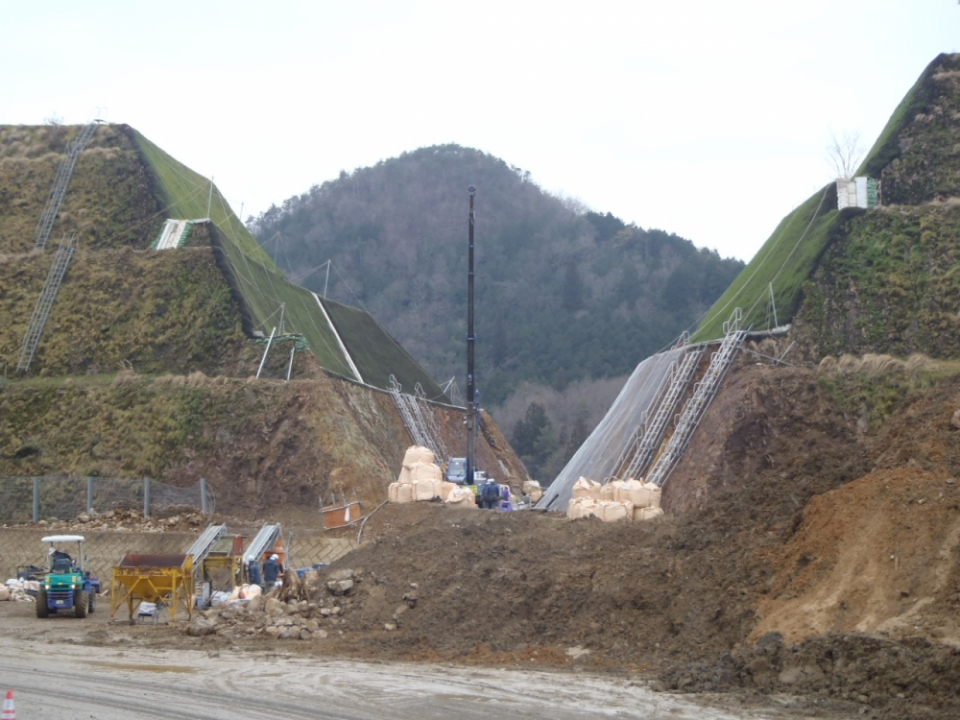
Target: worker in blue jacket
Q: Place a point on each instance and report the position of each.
(272, 572)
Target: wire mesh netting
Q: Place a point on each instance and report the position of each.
(27, 499)
(597, 458)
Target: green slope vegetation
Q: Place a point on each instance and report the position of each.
(891, 282)
(784, 263)
(916, 159)
(375, 353)
(109, 201)
(267, 297)
(154, 311)
(150, 311)
(188, 195)
(892, 286)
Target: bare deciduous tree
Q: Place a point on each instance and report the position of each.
(845, 153)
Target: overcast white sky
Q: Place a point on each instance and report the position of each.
(706, 119)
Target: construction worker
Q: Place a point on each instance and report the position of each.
(60, 560)
(253, 573)
(489, 494)
(272, 572)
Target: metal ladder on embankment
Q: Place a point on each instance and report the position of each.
(60, 182)
(47, 295)
(649, 435)
(703, 394)
(413, 420)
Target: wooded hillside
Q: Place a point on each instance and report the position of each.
(562, 293)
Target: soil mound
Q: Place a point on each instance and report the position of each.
(877, 555)
(807, 553)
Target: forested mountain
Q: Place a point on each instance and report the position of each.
(561, 293)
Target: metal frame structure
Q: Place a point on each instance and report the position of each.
(202, 547)
(413, 419)
(173, 234)
(429, 421)
(263, 541)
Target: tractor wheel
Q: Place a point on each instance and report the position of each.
(80, 603)
(42, 609)
(92, 607)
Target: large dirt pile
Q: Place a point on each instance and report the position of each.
(806, 527)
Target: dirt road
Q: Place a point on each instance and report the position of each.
(64, 668)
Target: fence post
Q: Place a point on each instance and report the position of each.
(146, 497)
(203, 496)
(89, 495)
(36, 499)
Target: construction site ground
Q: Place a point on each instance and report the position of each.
(807, 565)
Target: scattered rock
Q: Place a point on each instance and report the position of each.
(201, 626)
(340, 587)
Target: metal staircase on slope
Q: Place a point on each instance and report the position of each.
(703, 394)
(47, 295)
(433, 430)
(60, 182)
(413, 419)
(650, 433)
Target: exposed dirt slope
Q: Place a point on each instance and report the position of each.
(262, 445)
(877, 555)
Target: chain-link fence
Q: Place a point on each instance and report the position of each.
(31, 499)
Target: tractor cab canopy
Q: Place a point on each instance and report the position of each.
(60, 561)
(62, 538)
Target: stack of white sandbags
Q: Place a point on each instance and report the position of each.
(420, 479)
(532, 489)
(460, 497)
(617, 500)
(644, 496)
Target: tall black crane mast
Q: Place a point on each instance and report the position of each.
(471, 343)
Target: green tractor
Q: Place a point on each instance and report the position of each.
(67, 585)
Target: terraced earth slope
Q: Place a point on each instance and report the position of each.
(145, 365)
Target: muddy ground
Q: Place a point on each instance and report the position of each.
(809, 553)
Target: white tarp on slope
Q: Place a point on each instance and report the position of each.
(172, 232)
(597, 457)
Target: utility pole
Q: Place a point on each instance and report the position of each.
(471, 342)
